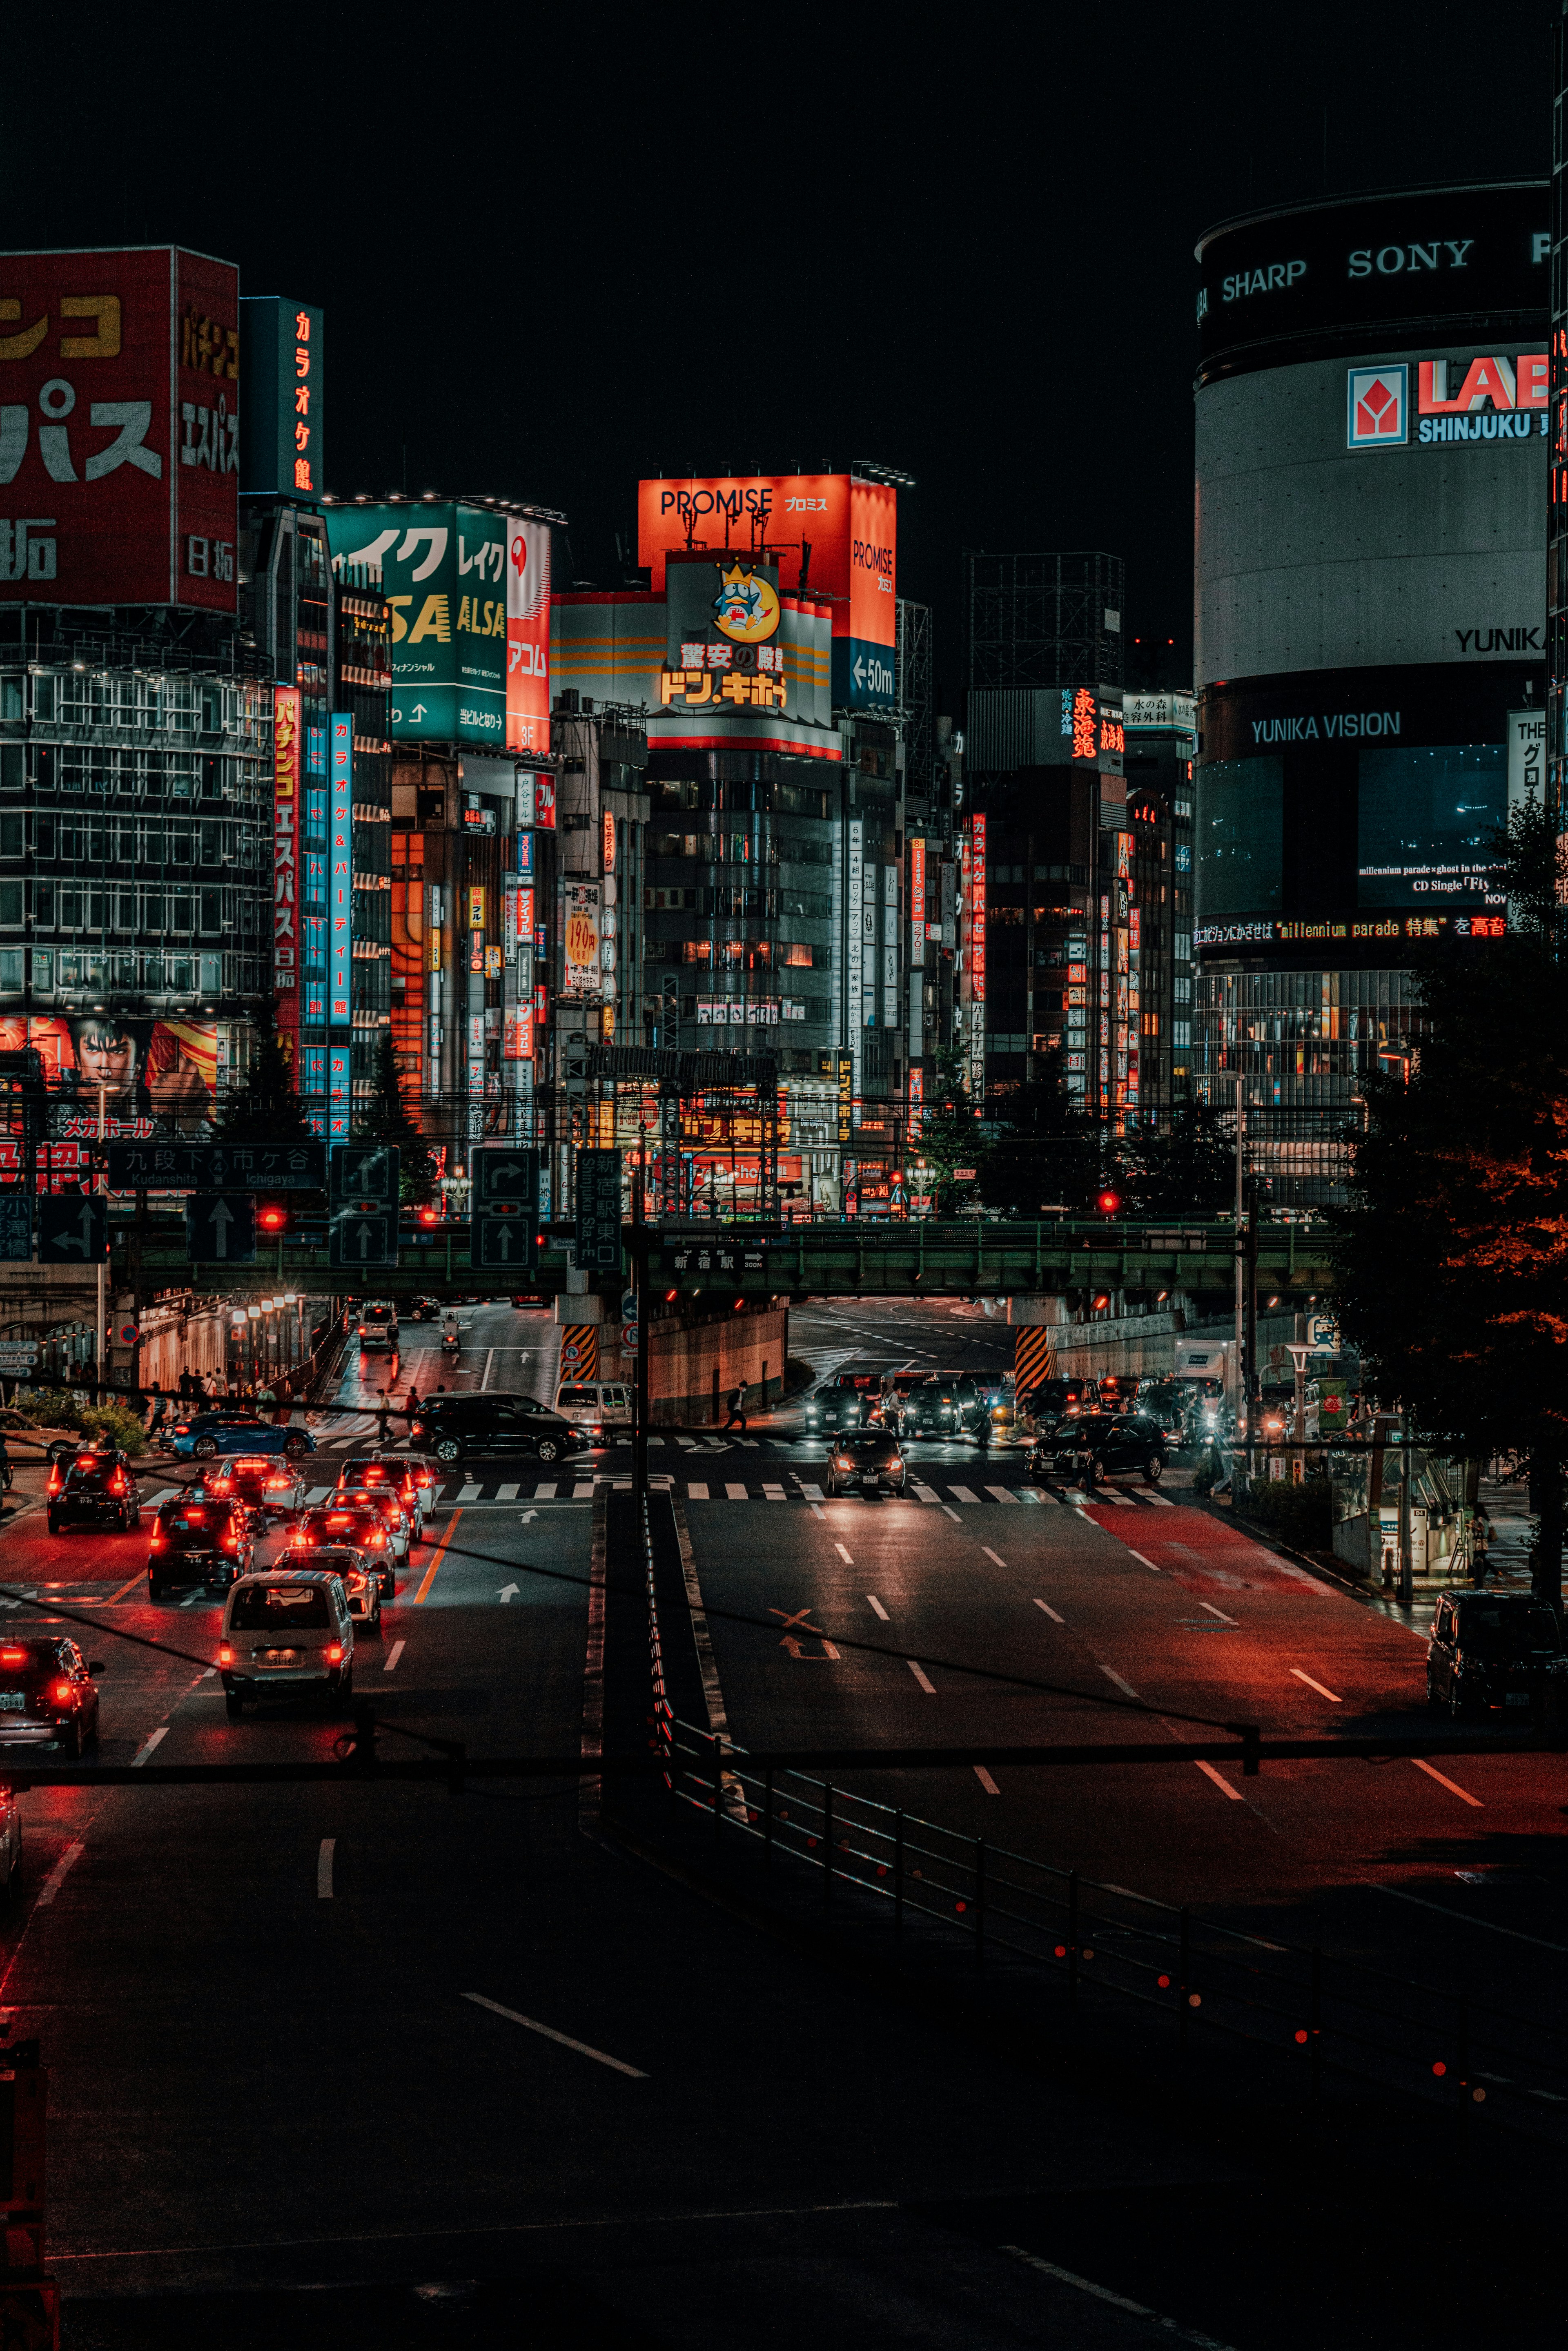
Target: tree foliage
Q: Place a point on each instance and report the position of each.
(1041, 1151)
(949, 1130)
(386, 1118)
(1452, 1256)
(1187, 1169)
(265, 1108)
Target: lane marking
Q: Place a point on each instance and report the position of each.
(393, 1653)
(696, 1493)
(1113, 1677)
(125, 1588)
(1229, 1620)
(926, 1493)
(878, 1609)
(1459, 1918)
(986, 1780)
(506, 1493)
(928, 1687)
(440, 1553)
(485, 1378)
(774, 1494)
(1221, 1783)
(991, 1554)
(818, 1511)
(1143, 1562)
(953, 1514)
(564, 2040)
(843, 1554)
(544, 1493)
(154, 1738)
(1051, 1612)
(737, 1494)
(324, 1869)
(56, 1878)
(469, 1493)
(811, 1490)
(1117, 2300)
(1160, 1501)
(1452, 1785)
(962, 1494)
(581, 1492)
(1002, 1493)
(1301, 1677)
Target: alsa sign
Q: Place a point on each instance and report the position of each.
(120, 389)
(1493, 398)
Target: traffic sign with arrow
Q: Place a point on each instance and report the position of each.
(503, 1207)
(72, 1230)
(220, 1229)
(362, 1192)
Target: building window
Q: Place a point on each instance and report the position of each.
(1241, 837)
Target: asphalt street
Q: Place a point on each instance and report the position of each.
(431, 2054)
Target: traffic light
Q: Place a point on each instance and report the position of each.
(271, 1218)
(429, 1213)
(1109, 1203)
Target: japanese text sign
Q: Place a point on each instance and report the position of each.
(443, 569)
(282, 445)
(340, 870)
(120, 408)
(527, 635)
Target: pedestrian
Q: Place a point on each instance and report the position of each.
(382, 1411)
(157, 1407)
(736, 1407)
(284, 1402)
(1480, 1548)
(411, 1404)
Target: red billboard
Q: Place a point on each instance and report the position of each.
(119, 385)
(285, 893)
(527, 635)
(874, 559)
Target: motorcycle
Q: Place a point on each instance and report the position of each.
(450, 1345)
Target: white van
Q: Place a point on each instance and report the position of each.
(287, 1629)
(597, 1409)
(377, 1323)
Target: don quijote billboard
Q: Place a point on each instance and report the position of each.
(832, 537)
(120, 408)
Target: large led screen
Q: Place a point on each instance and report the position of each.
(1428, 820)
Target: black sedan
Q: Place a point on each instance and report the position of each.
(47, 1695)
(868, 1462)
(270, 1485)
(94, 1490)
(199, 1541)
(1099, 1445)
(1494, 1648)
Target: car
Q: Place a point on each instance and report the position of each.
(357, 1524)
(199, 1541)
(452, 1427)
(530, 1298)
(94, 1490)
(1099, 1445)
(270, 1487)
(357, 1572)
(846, 1401)
(287, 1630)
(867, 1459)
(948, 1403)
(23, 1438)
(205, 1435)
(377, 1325)
(1494, 1648)
(1048, 1401)
(47, 1697)
(387, 1508)
(596, 1408)
(415, 1481)
(1168, 1402)
(423, 1309)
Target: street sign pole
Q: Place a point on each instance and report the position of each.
(639, 1420)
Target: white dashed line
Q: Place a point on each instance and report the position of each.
(564, 2040)
(986, 1780)
(1222, 1784)
(1452, 1786)
(155, 1738)
(324, 1869)
(1112, 1676)
(928, 1687)
(953, 1514)
(1329, 1694)
(56, 1878)
(991, 1554)
(1051, 1612)
(392, 1654)
(1143, 1562)
(1227, 1620)
(878, 1609)
(843, 1554)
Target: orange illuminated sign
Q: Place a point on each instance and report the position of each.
(608, 843)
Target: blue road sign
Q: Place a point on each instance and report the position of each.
(216, 1166)
(72, 1230)
(358, 1242)
(220, 1229)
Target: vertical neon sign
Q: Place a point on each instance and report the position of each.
(340, 925)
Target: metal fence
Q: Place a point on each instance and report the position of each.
(1316, 2011)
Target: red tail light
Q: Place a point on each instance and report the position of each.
(376, 1542)
(117, 1483)
(160, 1539)
(225, 1654)
(65, 1693)
(56, 1480)
(12, 1656)
(334, 1652)
(231, 1543)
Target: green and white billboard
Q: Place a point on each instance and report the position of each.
(443, 569)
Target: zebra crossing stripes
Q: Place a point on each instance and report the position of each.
(797, 1489)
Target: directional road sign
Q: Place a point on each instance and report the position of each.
(599, 1211)
(363, 1204)
(16, 1227)
(218, 1167)
(72, 1230)
(220, 1229)
(503, 1208)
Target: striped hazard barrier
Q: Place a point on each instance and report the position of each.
(1032, 1356)
(580, 1351)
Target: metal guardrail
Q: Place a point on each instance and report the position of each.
(1106, 1944)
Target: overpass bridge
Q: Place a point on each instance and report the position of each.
(861, 1257)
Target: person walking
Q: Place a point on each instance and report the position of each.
(284, 1403)
(736, 1408)
(411, 1405)
(157, 1407)
(382, 1409)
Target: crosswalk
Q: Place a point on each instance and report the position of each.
(463, 1492)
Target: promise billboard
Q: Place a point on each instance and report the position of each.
(833, 537)
(120, 393)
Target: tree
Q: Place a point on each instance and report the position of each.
(385, 1119)
(949, 1135)
(1188, 1170)
(1042, 1151)
(265, 1108)
(1452, 1255)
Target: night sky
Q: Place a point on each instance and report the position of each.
(558, 249)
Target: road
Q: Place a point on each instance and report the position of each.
(427, 2055)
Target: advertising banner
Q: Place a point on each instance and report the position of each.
(119, 392)
(829, 536)
(340, 880)
(527, 635)
(582, 966)
(283, 440)
(147, 1068)
(286, 789)
(443, 572)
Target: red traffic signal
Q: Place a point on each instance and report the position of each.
(1109, 1203)
(271, 1219)
(429, 1215)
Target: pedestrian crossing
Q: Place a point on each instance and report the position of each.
(462, 1492)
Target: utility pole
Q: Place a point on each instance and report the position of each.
(1238, 1382)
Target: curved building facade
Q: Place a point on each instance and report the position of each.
(1370, 625)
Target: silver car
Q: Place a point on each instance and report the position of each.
(287, 1630)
